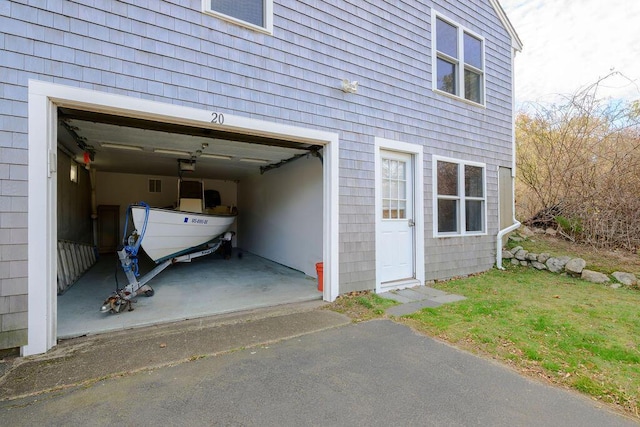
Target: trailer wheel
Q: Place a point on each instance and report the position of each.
(149, 293)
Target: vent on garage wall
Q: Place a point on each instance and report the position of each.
(155, 186)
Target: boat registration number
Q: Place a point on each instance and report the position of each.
(195, 220)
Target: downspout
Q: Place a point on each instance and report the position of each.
(516, 223)
(501, 234)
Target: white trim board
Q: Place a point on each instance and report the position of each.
(45, 98)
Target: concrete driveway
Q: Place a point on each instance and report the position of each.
(376, 373)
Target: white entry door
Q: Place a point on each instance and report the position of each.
(397, 226)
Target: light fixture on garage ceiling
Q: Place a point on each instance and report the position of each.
(121, 146)
(172, 152)
(215, 156)
(186, 166)
(262, 161)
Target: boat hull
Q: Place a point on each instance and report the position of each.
(170, 233)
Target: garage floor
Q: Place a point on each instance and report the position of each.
(206, 286)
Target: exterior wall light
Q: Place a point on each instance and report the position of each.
(73, 172)
(349, 87)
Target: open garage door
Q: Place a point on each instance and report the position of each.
(279, 184)
(274, 185)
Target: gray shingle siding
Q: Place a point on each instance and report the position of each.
(170, 51)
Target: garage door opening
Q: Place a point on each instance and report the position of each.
(281, 179)
(274, 186)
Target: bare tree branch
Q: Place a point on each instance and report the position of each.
(583, 155)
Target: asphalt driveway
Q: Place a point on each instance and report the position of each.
(376, 373)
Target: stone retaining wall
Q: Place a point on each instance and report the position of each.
(575, 267)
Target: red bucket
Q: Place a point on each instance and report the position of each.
(320, 270)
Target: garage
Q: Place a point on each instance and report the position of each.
(111, 151)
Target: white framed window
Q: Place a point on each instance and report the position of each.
(394, 189)
(458, 67)
(255, 14)
(460, 203)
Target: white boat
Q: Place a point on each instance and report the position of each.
(170, 236)
(170, 233)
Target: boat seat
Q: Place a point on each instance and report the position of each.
(190, 205)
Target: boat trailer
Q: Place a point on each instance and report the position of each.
(128, 257)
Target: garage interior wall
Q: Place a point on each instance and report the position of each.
(280, 215)
(74, 202)
(122, 189)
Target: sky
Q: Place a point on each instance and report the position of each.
(570, 44)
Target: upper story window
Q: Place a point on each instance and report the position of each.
(459, 63)
(460, 205)
(257, 14)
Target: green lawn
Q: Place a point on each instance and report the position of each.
(582, 335)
